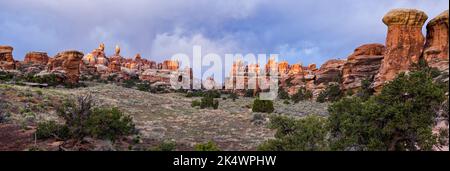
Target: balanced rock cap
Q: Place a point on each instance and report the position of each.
(409, 17)
(6, 49)
(441, 18)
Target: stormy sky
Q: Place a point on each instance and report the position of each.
(307, 31)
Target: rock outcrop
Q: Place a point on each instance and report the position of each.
(364, 63)
(404, 43)
(436, 46)
(169, 65)
(40, 58)
(6, 58)
(330, 71)
(283, 67)
(67, 62)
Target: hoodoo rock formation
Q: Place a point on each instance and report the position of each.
(436, 46)
(40, 58)
(404, 43)
(6, 58)
(67, 62)
(363, 64)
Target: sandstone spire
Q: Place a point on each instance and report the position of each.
(436, 46)
(404, 43)
(6, 58)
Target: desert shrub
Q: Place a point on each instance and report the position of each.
(209, 93)
(302, 94)
(282, 94)
(130, 83)
(50, 129)
(194, 94)
(401, 117)
(209, 102)
(83, 120)
(233, 96)
(196, 103)
(249, 93)
(109, 124)
(365, 91)
(3, 117)
(306, 134)
(166, 146)
(209, 146)
(6, 76)
(145, 86)
(263, 106)
(332, 93)
(286, 102)
(258, 119)
(111, 77)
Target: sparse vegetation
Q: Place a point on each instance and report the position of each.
(302, 94)
(331, 94)
(306, 134)
(84, 120)
(263, 106)
(209, 146)
(209, 102)
(233, 96)
(400, 118)
(196, 103)
(167, 145)
(50, 129)
(282, 94)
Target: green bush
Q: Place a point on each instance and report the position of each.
(263, 106)
(209, 102)
(282, 94)
(50, 129)
(196, 103)
(109, 124)
(306, 134)
(249, 93)
(209, 93)
(209, 146)
(145, 86)
(165, 146)
(401, 117)
(233, 96)
(130, 83)
(365, 91)
(6, 76)
(302, 94)
(82, 120)
(332, 93)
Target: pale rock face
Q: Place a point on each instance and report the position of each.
(436, 46)
(404, 43)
